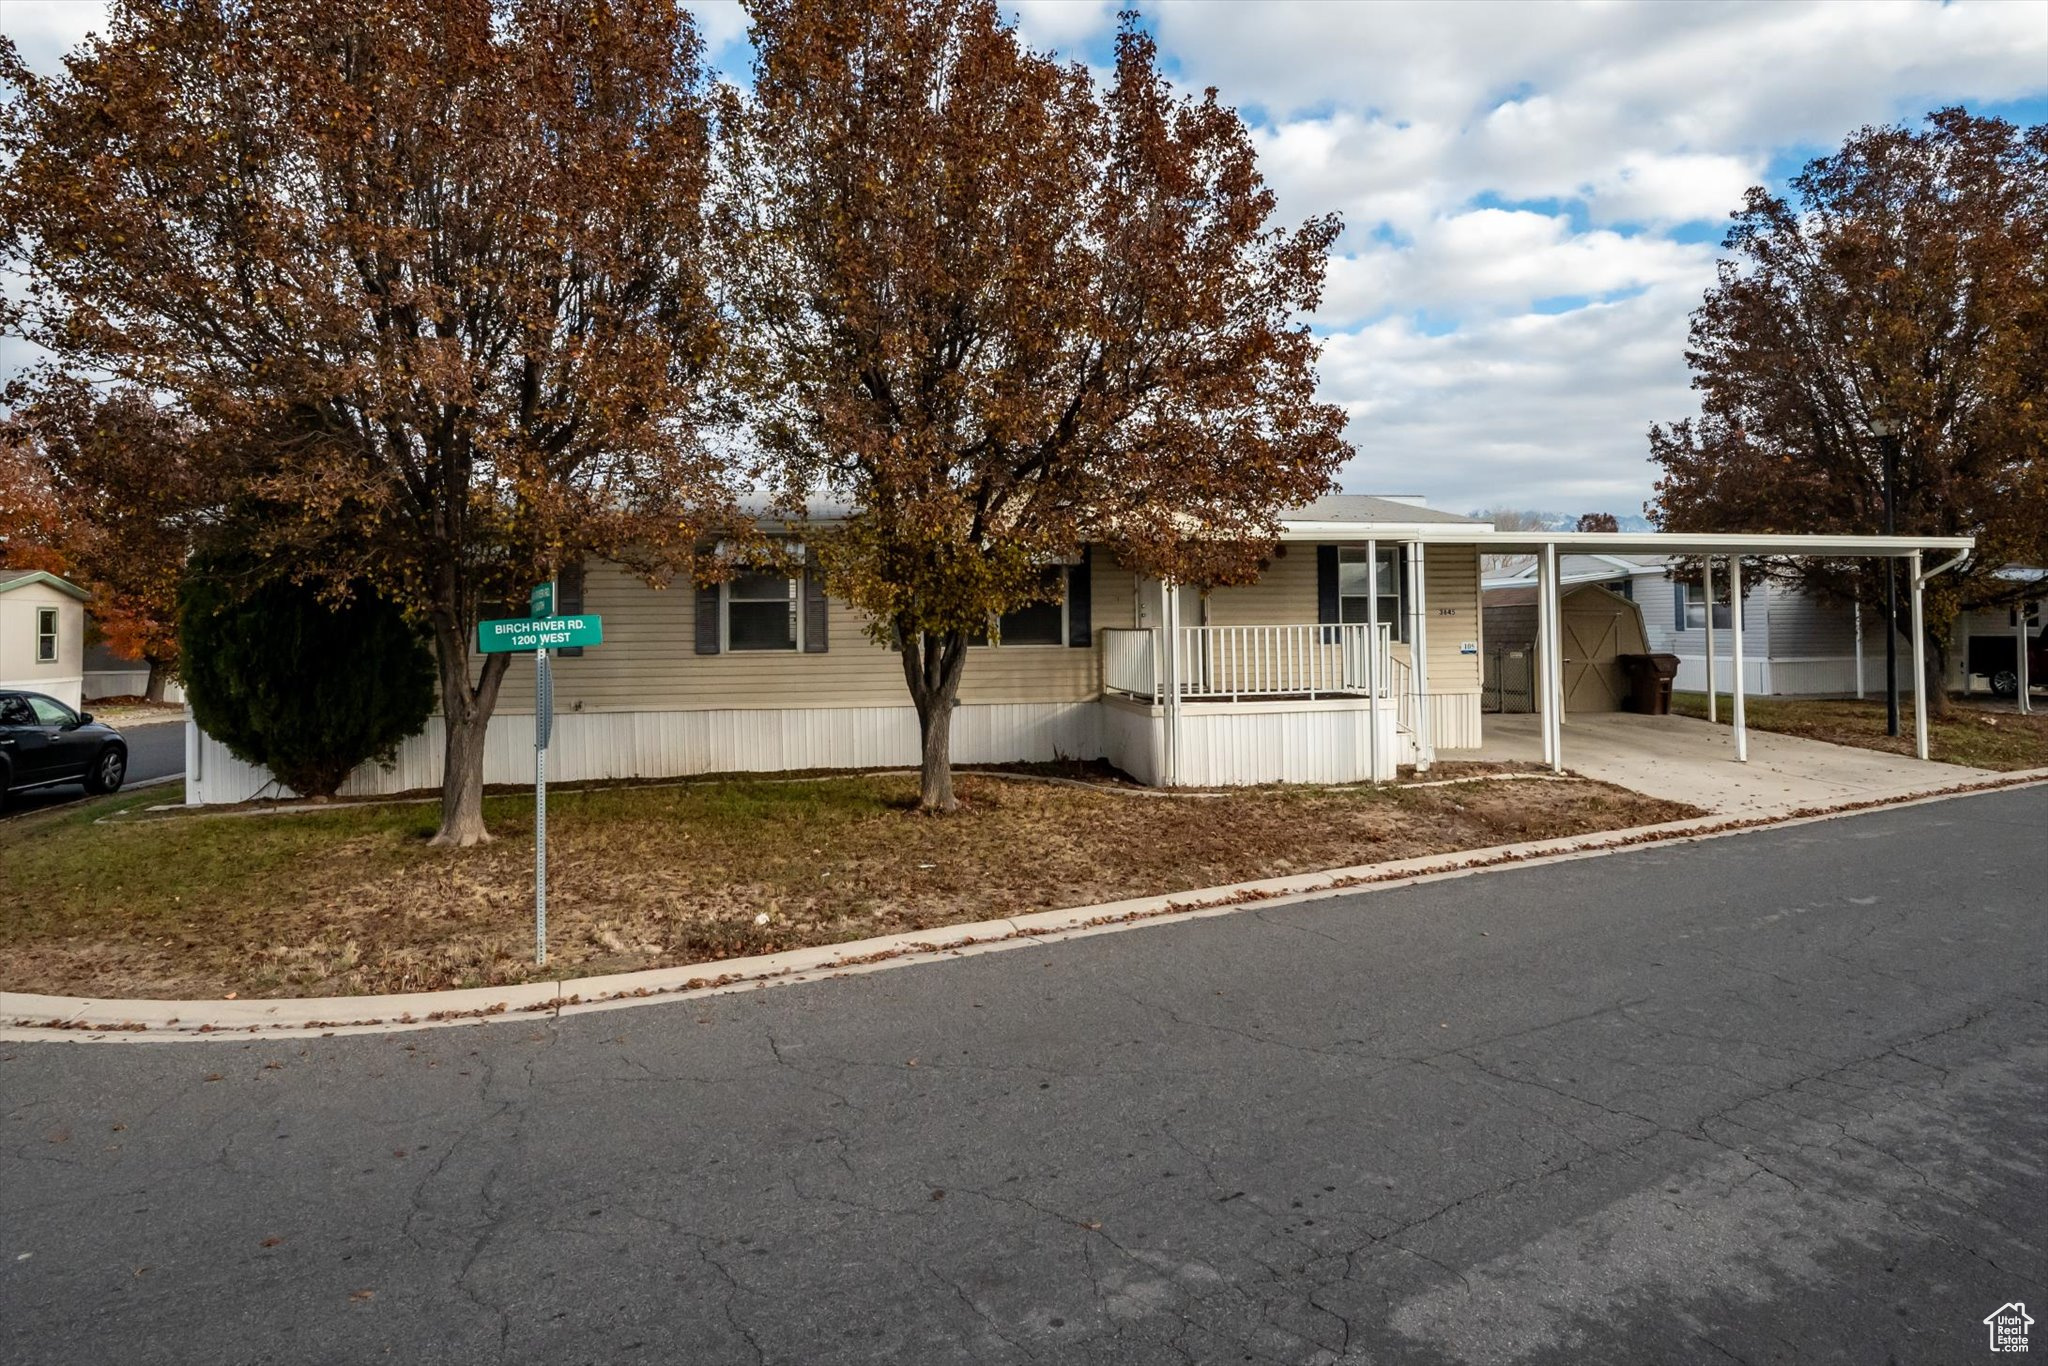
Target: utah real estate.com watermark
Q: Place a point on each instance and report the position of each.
(2008, 1325)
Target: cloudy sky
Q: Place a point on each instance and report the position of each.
(1533, 193)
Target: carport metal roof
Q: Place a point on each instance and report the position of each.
(1762, 543)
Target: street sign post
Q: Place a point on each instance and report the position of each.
(539, 632)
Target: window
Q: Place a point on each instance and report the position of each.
(46, 635)
(50, 713)
(761, 612)
(14, 711)
(1353, 584)
(1039, 623)
(1693, 610)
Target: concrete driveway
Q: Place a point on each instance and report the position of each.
(1685, 760)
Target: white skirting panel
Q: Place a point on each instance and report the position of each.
(1134, 738)
(1454, 717)
(1229, 746)
(1805, 676)
(591, 746)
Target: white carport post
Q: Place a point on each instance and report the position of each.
(1919, 658)
(1418, 659)
(1373, 681)
(1707, 588)
(2019, 632)
(1736, 716)
(1169, 623)
(1549, 669)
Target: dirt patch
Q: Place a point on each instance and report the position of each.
(352, 900)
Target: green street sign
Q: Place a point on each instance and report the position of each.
(541, 601)
(516, 634)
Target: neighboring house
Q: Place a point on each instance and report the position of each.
(42, 635)
(765, 673)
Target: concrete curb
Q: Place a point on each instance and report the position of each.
(84, 1019)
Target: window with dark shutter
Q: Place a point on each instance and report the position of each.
(816, 614)
(569, 602)
(1080, 593)
(708, 632)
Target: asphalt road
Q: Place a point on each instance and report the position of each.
(1773, 1098)
(156, 750)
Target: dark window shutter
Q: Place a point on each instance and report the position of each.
(1678, 607)
(1328, 610)
(815, 639)
(1080, 597)
(569, 602)
(707, 619)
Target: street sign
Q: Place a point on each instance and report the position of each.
(538, 633)
(510, 635)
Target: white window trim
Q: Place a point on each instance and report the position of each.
(1066, 623)
(1698, 595)
(1396, 622)
(725, 645)
(49, 614)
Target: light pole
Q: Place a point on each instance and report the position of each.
(1887, 433)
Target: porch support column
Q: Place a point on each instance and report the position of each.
(1735, 633)
(1169, 630)
(1920, 688)
(1373, 681)
(2019, 632)
(1707, 587)
(1549, 668)
(1418, 659)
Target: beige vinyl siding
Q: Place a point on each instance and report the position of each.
(1451, 583)
(648, 661)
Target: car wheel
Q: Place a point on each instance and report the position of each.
(108, 771)
(2005, 683)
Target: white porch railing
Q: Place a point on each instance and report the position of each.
(1238, 662)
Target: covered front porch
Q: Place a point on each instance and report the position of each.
(1212, 706)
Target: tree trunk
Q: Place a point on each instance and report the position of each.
(465, 719)
(153, 690)
(932, 666)
(1934, 687)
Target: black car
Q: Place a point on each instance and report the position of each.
(43, 742)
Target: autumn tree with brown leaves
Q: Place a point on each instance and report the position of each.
(28, 505)
(1904, 279)
(432, 269)
(1598, 521)
(994, 314)
(128, 491)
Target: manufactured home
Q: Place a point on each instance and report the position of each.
(1357, 651)
(42, 635)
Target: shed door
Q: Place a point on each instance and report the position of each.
(1592, 674)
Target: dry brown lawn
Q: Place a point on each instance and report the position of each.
(351, 899)
(1976, 734)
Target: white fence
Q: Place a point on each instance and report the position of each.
(1251, 662)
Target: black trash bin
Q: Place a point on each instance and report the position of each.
(1649, 682)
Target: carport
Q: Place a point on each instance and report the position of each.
(1729, 549)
